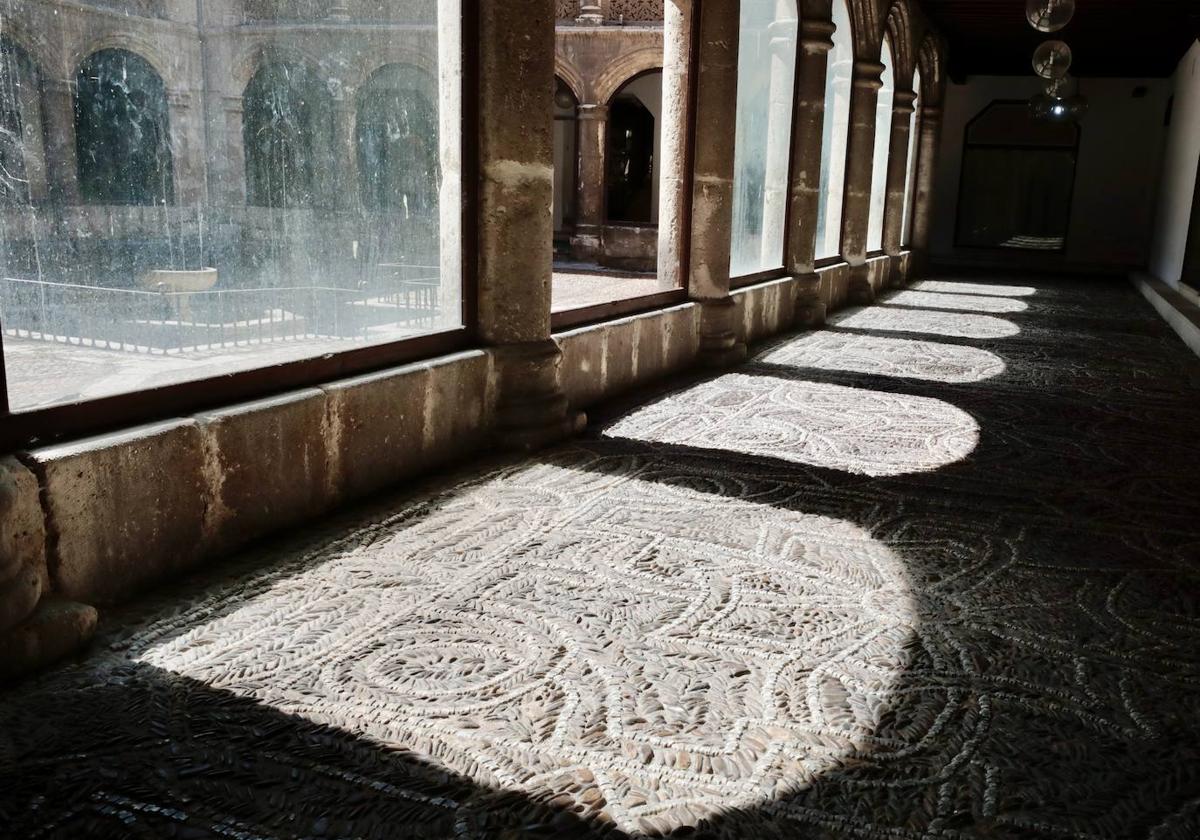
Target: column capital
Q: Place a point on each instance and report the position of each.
(868, 74)
(592, 112)
(816, 36)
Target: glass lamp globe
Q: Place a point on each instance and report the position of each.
(1052, 60)
(1049, 15)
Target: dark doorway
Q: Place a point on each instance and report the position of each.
(1018, 176)
(630, 177)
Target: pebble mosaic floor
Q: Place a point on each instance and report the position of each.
(933, 571)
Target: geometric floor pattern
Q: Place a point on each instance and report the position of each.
(932, 571)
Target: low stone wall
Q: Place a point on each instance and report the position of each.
(94, 521)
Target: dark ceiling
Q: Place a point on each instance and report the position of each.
(1108, 37)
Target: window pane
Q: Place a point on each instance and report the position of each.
(883, 139)
(833, 136)
(609, 165)
(914, 143)
(766, 78)
(207, 195)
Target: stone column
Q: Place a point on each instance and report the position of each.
(516, 193)
(816, 40)
(860, 159)
(712, 185)
(59, 120)
(345, 150)
(590, 182)
(931, 132)
(897, 180)
(678, 29)
(590, 13)
(229, 168)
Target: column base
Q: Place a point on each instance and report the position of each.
(860, 292)
(810, 306)
(533, 411)
(55, 629)
(587, 244)
(719, 343)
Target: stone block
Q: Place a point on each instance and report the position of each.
(377, 425)
(266, 466)
(680, 336)
(620, 365)
(23, 573)
(461, 407)
(125, 509)
(583, 364)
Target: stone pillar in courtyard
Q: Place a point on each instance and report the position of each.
(590, 182)
(816, 40)
(860, 159)
(897, 182)
(58, 117)
(345, 168)
(712, 186)
(930, 137)
(678, 23)
(516, 188)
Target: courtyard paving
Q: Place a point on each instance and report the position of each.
(933, 571)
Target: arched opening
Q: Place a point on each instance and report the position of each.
(397, 142)
(21, 152)
(914, 144)
(883, 141)
(287, 131)
(834, 135)
(631, 178)
(122, 131)
(761, 161)
(566, 163)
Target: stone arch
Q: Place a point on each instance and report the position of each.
(624, 70)
(122, 130)
(868, 25)
(898, 30)
(396, 140)
(145, 48)
(929, 60)
(256, 53)
(287, 133)
(566, 70)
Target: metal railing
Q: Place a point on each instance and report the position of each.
(152, 321)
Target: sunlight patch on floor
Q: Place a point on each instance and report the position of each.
(662, 635)
(904, 358)
(965, 288)
(966, 303)
(927, 322)
(859, 431)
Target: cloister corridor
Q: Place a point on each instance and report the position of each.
(930, 571)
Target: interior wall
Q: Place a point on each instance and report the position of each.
(1180, 162)
(1116, 179)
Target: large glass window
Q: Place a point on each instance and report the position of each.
(838, 80)
(914, 145)
(883, 142)
(611, 170)
(766, 86)
(292, 193)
